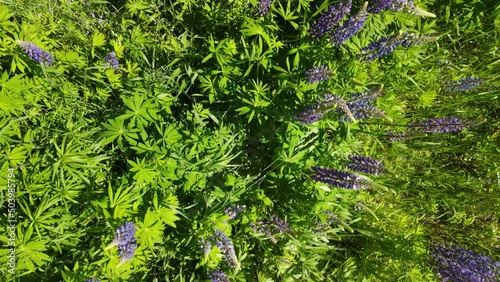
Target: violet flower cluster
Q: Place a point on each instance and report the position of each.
(365, 165)
(269, 228)
(338, 178)
(226, 247)
(263, 7)
(218, 276)
(361, 106)
(317, 111)
(93, 279)
(330, 219)
(125, 240)
(453, 263)
(464, 84)
(111, 61)
(406, 6)
(330, 18)
(439, 125)
(349, 27)
(317, 74)
(36, 53)
(388, 44)
(234, 211)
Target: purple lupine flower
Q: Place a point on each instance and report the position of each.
(111, 61)
(224, 244)
(338, 178)
(330, 18)
(463, 84)
(316, 111)
(365, 164)
(317, 74)
(330, 219)
(93, 279)
(206, 245)
(376, 6)
(280, 225)
(125, 240)
(396, 136)
(270, 227)
(36, 53)
(453, 263)
(439, 125)
(263, 7)
(349, 28)
(361, 106)
(387, 45)
(218, 276)
(234, 211)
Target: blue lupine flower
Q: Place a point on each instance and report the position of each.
(361, 106)
(365, 164)
(93, 279)
(326, 104)
(317, 74)
(234, 211)
(125, 240)
(218, 276)
(349, 28)
(270, 227)
(464, 84)
(387, 45)
(263, 7)
(338, 178)
(453, 263)
(405, 6)
(36, 53)
(111, 61)
(206, 245)
(439, 125)
(280, 225)
(224, 244)
(330, 18)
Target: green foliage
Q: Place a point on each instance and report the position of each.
(201, 116)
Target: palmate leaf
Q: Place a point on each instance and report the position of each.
(139, 110)
(150, 231)
(116, 130)
(123, 201)
(142, 174)
(167, 209)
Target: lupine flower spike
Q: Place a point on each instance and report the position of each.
(125, 240)
(405, 6)
(36, 53)
(111, 61)
(349, 28)
(317, 111)
(463, 84)
(453, 263)
(93, 279)
(218, 276)
(227, 248)
(234, 211)
(337, 178)
(387, 45)
(361, 106)
(365, 165)
(317, 74)
(439, 125)
(263, 7)
(330, 18)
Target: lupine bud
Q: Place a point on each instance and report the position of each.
(463, 84)
(263, 7)
(35, 53)
(111, 61)
(365, 164)
(453, 263)
(218, 276)
(361, 106)
(234, 211)
(349, 28)
(338, 178)
(224, 244)
(439, 125)
(317, 74)
(330, 18)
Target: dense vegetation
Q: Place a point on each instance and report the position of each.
(235, 140)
